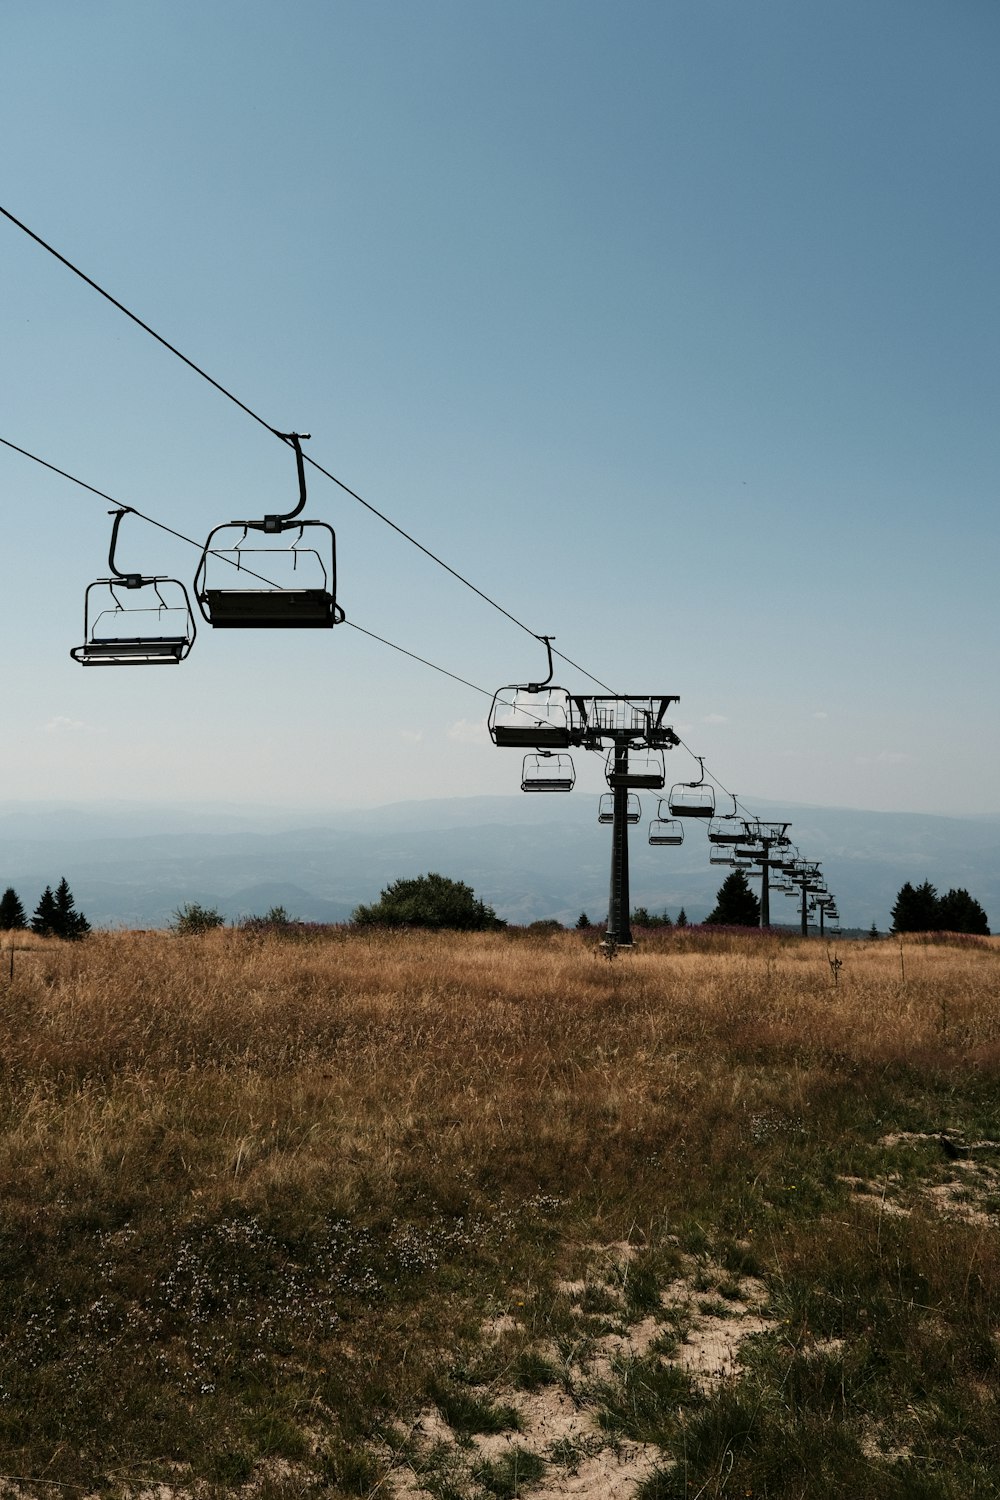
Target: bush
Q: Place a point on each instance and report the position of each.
(429, 901)
(277, 922)
(192, 918)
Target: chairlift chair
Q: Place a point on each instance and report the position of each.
(721, 854)
(730, 828)
(644, 769)
(547, 772)
(533, 715)
(606, 808)
(664, 830)
(241, 585)
(693, 799)
(134, 619)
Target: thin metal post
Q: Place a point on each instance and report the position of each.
(822, 914)
(619, 929)
(805, 914)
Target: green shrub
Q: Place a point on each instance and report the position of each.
(192, 918)
(429, 901)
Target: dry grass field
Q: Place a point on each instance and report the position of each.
(474, 1216)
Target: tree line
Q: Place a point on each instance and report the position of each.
(434, 901)
(54, 916)
(920, 909)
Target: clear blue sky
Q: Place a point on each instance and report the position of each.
(673, 326)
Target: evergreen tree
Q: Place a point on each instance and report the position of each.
(960, 912)
(44, 920)
(665, 919)
(70, 923)
(917, 909)
(682, 918)
(735, 903)
(582, 922)
(12, 917)
(921, 909)
(873, 932)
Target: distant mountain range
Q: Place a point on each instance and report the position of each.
(133, 865)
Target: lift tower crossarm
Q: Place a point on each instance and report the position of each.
(634, 719)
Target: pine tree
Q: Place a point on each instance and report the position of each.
(735, 903)
(873, 932)
(960, 912)
(917, 909)
(682, 918)
(70, 923)
(12, 917)
(56, 914)
(582, 922)
(921, 909)
(45, 918)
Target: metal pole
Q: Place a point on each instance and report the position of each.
(619, 929)
(805, 914)
(765, 885)
(822, 914)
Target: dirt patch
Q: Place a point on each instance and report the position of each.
(706, 1316)
(970, 1191)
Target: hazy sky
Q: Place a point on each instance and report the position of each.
(672, 326)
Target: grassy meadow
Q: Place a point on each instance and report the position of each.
(479, 1215)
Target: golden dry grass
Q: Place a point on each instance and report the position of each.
(293, 1175)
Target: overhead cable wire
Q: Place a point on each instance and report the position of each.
(151, 520)
(225, 391)
(94, 491)
(422, 659)
(136, 319)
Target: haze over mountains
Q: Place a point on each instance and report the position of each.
(132, 865)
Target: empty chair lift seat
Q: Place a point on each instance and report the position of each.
(548, 773)
(288, 609)
(251, 572)
(137, 652)
(524, 720)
